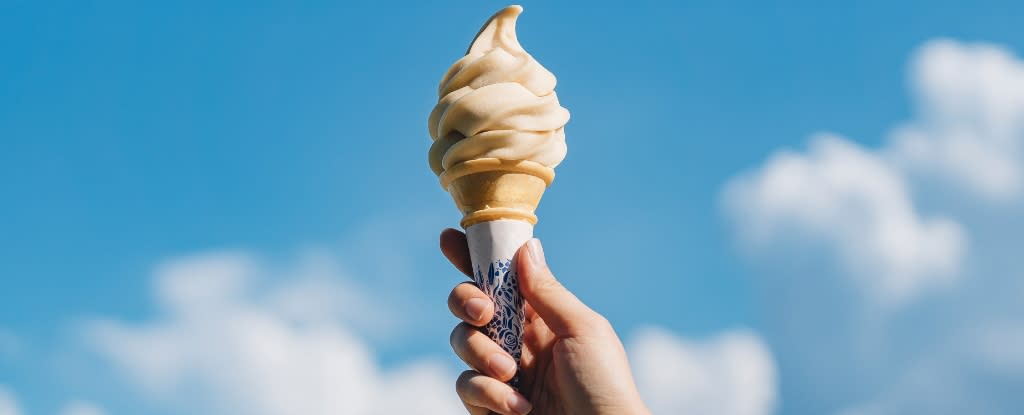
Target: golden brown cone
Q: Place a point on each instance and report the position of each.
(491, 189)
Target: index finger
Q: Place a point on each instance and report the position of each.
(456, 249)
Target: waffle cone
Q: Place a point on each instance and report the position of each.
(492, 189)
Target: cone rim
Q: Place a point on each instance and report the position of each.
(466, 168)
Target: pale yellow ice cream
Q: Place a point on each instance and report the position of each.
(497, 102)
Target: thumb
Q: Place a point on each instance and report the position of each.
(563, 313)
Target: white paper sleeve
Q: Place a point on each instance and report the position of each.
(492, 250)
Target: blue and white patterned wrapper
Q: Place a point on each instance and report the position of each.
(492, 249)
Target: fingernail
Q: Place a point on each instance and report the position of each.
(536, 252)
(518, 404)
(501, 365)
(475, 308)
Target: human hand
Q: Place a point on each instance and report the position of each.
(572, 360)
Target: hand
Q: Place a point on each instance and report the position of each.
(572, 362)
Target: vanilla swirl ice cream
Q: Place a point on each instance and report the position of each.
(498, 134)
(497, 102)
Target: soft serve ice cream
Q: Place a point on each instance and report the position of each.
(498, 134)
(497, 102)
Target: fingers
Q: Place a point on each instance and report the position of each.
(481, 391)
(539, 337)
(455, 248)
(565, 314)
(536, 352)
(471, 305)
(482, 353)
(528, 311)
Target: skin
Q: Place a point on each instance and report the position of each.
(573, 362)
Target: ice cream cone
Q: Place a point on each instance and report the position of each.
(498, 132)
(492, 189)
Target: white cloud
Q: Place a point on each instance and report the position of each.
(730, 374)
(231, 340)
(939, 381)
(967, 133)
(8, 406)
(961, 156)
(999, 346)
(81, 408)
(226, 345)
(850, 199)
(969, 126)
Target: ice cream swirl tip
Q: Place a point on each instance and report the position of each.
(497, 102)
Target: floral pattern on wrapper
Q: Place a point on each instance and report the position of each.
(501, 283)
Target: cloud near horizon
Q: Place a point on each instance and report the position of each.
(224, 345)
(8, 405)
(732, 373)
(236, 336)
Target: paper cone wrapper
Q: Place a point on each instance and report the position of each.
(492, 250)
(498, 199)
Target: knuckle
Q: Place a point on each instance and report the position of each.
(549, 284)
(599, 323)
(462, 383)
(458, 336)
(455, 297)
(453, 302)
(458, 289)
(461, 292)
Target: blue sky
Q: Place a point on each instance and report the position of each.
(136, 134)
